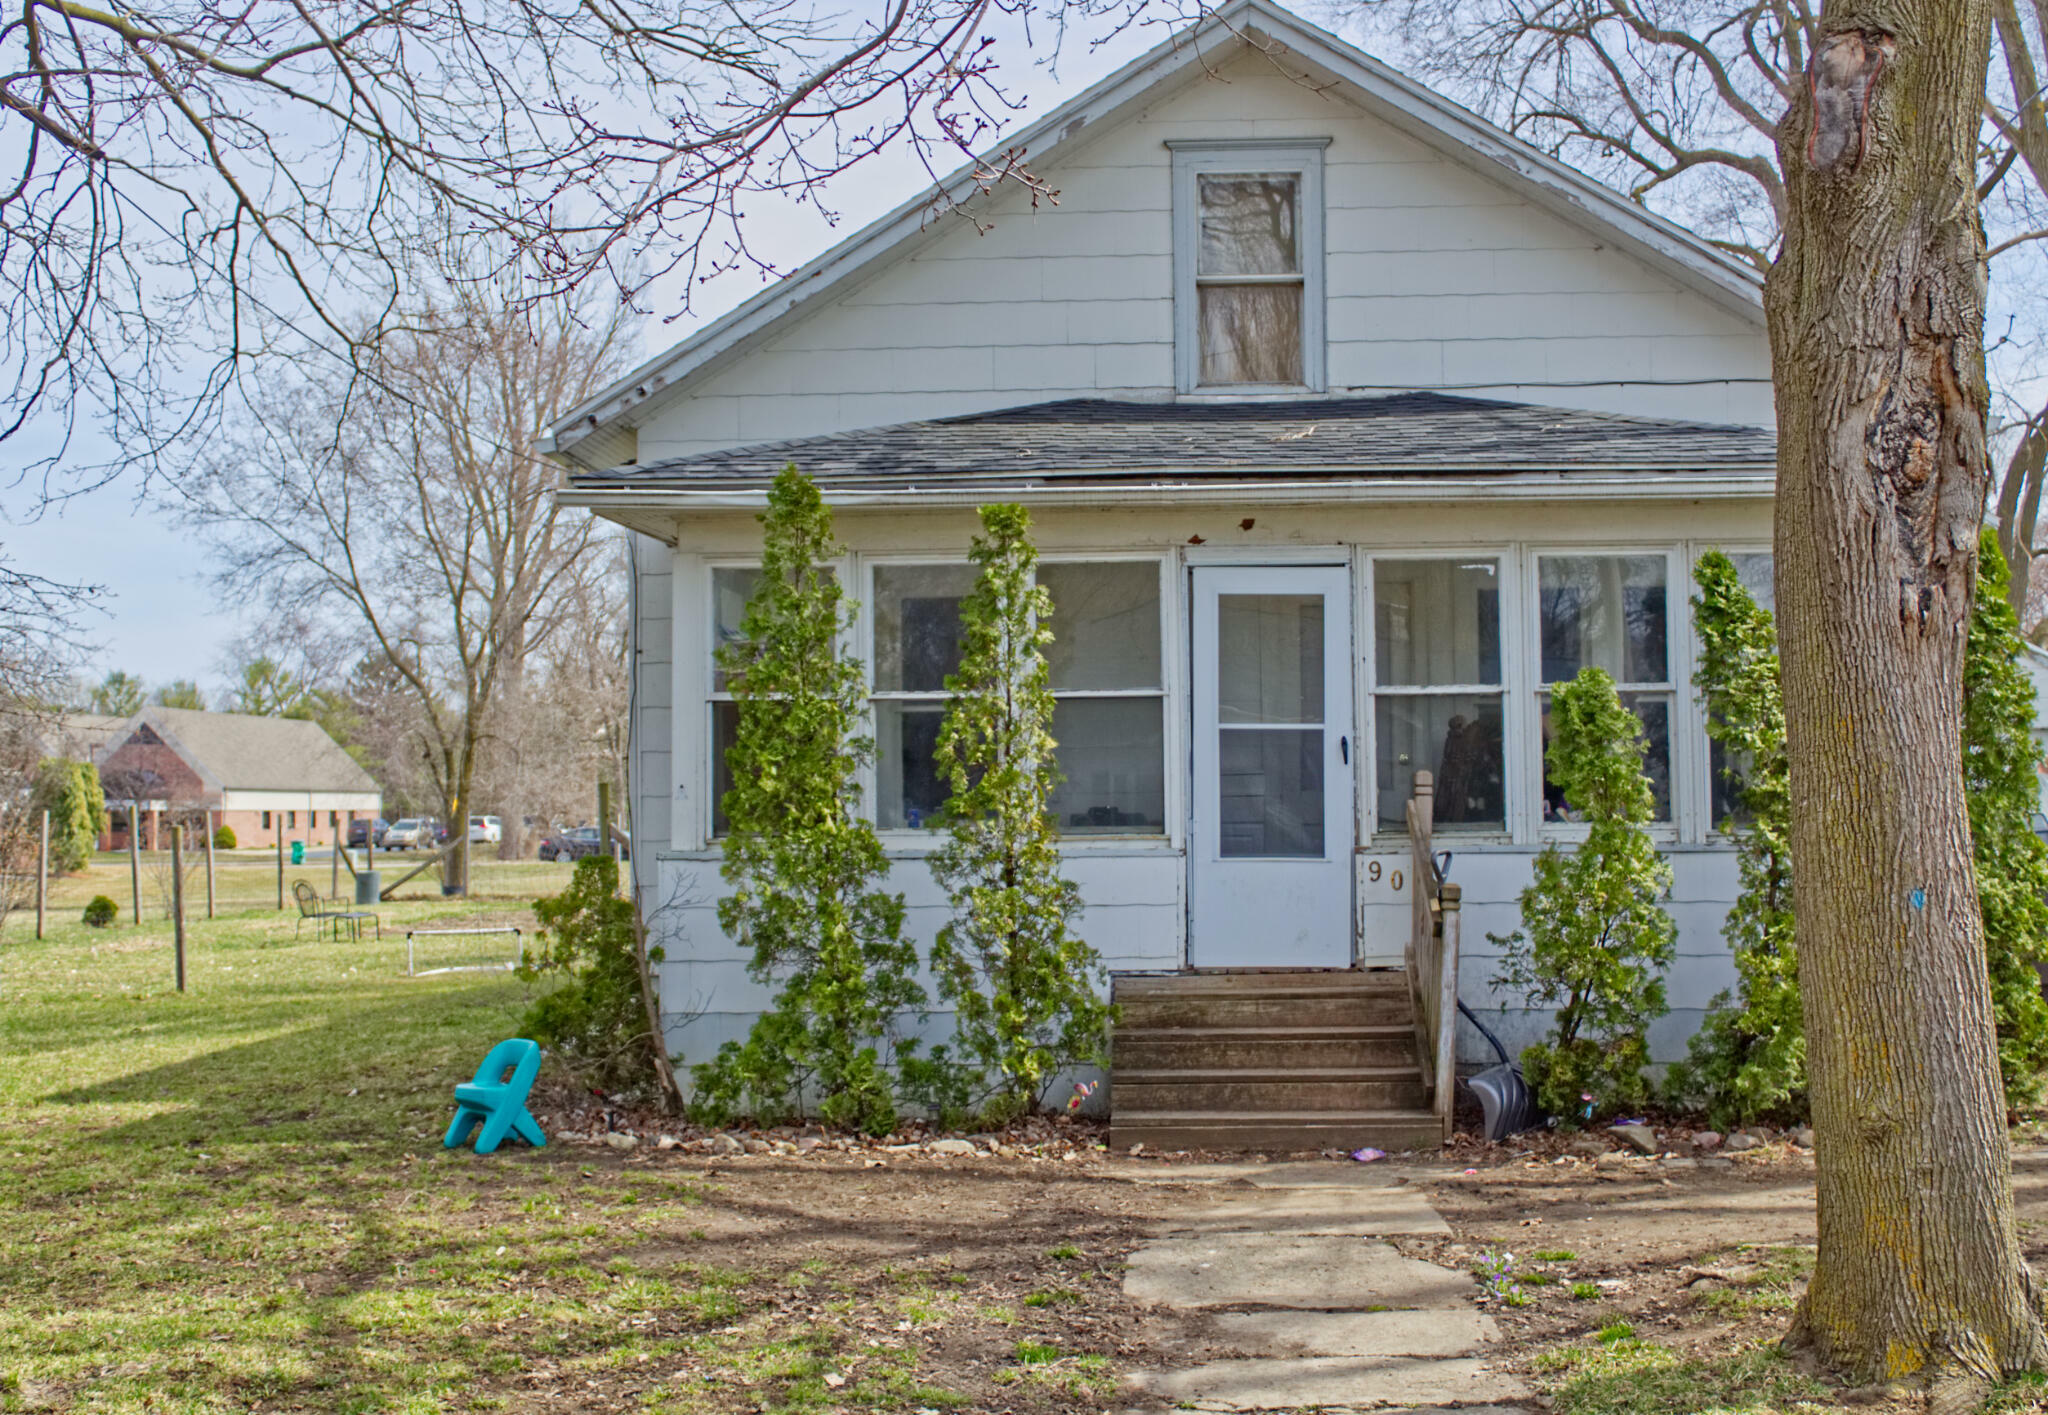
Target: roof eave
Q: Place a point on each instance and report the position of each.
(1294, 487)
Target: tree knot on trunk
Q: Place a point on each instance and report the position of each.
(1840, 78)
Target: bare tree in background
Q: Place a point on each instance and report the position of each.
(414, 514)
(1677, 103)
(199, 187)
(39, 644)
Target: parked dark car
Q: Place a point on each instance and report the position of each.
(574, 844)
(363, 831)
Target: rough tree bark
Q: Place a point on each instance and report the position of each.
(1876, 319)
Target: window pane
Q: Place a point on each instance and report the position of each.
(1724, 791)
(1269, 658)
(917, 625)
(1250, 333)
(1436, 621)
(1457, 739)
(1105, 624)
(909, 788)
(731, 588)
(1757, 572)
(1113, 751)
(1603, 611)
(725, 726)
(1272, 784)
(1248, 225)
(1653, 710)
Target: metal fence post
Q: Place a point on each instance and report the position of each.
(178, 899)
(134, 863)
(43, 876)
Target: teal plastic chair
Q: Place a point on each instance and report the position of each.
(494, 1104)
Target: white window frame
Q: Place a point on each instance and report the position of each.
(903, 839)
(1194, 158)
(1677, 664)
(1513, 730)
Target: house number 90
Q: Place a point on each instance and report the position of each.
(1373, 871)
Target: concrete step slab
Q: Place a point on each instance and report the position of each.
(1333, 1383)
(1435, 1334)
(1269, 1270)
(1376, 1212)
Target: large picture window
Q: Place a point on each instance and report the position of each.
(1726, 772)
(1437, 690)
(1104, 665)
(731, 588)
(1611, 612)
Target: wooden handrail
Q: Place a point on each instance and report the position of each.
(1432, 955)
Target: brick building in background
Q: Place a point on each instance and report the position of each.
(259, 776)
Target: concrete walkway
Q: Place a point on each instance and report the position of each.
(1279, 1286)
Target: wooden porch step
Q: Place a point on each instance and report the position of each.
(1162, 1048)
(1392, 1130)
(1139, 1094)
(1272, 1007)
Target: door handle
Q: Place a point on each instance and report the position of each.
(1344, 747)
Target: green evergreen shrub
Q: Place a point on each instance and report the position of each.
(1748, 1060)
(70, 792)
(224, 838)
(2001, 776)
(803, 863)
(100, 911)
(1028, 993)
(1594, 940)
(596, 1022)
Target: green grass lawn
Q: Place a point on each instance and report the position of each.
(236, 1199)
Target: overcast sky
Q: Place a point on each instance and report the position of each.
(162, 620)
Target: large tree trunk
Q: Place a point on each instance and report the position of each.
(1876, 321)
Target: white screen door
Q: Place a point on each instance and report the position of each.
(1270, 847)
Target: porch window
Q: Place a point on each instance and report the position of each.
(731, 587)
(1438, 690)
(916, 612)
(1110, 713)
(1249, 265)
(1755, 570)
(1611, 612)
(1104, 664)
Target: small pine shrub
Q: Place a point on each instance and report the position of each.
(101, 912)
(596, 1022)
(2000, 764)
(1748, 1060)
(224, 838)
(1029, 992)
(804, 864)
(1594, 940)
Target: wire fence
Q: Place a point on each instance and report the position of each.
(244, 881)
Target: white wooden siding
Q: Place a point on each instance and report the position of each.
(653, 689)
(1438, 277)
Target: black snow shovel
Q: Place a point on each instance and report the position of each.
(1504, 1098)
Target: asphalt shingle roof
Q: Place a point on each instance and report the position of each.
(1091, 440)
(249, 752)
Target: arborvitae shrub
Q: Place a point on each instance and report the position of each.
(1028, 992)
(224, 838)
(101, 912)
(1748, 1060)
(596, 1022)
(1595, 940)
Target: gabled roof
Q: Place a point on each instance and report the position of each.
(240, 751)
(1388, 95)
(1093, 444)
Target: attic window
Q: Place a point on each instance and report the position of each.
(1248, 265)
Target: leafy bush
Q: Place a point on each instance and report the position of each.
(1594, 940)
(2000, 762)
(802, 861)
(70, 792)
(596, 1022)
(224, 838)
(1028, 992)
(101, 912)
(1748, 1060)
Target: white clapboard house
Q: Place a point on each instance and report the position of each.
(1348, 424)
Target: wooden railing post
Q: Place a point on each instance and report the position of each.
(1452, 898)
